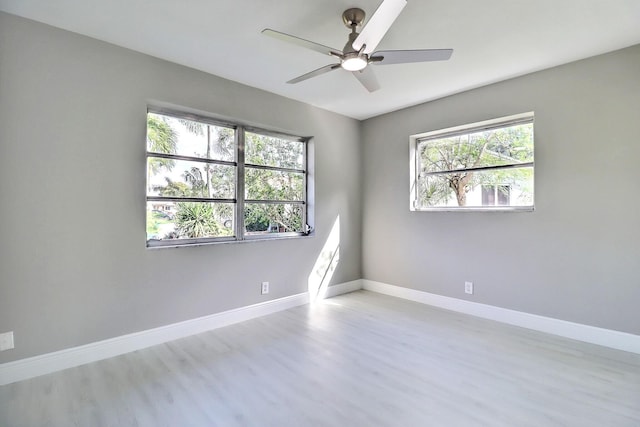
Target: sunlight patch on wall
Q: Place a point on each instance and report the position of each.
(325, 265)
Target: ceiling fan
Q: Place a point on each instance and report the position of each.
(358, 53)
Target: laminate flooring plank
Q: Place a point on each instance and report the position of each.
(361, 359)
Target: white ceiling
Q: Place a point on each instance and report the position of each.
(492, 40)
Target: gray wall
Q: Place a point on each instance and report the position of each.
(73, 265)
(577, 257)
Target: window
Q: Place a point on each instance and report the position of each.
(481, 166)
(493, 195)
(209, 181)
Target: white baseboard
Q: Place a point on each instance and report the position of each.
(591, 334)
(51, 362)
(343, 288)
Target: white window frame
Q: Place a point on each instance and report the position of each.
(414, 161)
(239, 200)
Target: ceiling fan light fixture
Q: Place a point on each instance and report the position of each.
(354, 63)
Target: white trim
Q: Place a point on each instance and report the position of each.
(477, 126)
(591, 334)
(68, 358)
(51, 362)
(343, 288)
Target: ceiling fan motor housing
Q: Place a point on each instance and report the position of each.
(353, 60)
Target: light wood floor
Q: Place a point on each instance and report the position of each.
(360, 359)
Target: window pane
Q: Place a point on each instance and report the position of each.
(488, 195)
(503, 193)
(264, 184)
(504, 187)
(262, 218)
(180, 178)
(170, 135)
(503, 146)
(271, 151)
(496, 195)
(189, 220)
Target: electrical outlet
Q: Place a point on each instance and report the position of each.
(6, 341)
(468, 287)
(265, 288)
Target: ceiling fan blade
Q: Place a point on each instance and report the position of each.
(302, 42)
(368, 79)
(314, 73)
(378, 25)
(407, 56)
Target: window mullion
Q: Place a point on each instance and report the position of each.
(274, 202)
(305, 224)
(274, 168)
(188, 199)
(240, 182)
(480, 169)
(152, 154)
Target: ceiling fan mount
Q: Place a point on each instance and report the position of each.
(353, 17)
(358, 52)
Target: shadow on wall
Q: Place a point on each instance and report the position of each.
(325, 265)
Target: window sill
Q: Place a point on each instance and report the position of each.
(163, 244)
(477, 209)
